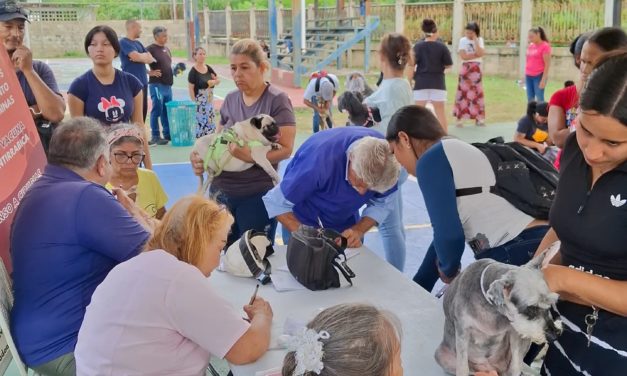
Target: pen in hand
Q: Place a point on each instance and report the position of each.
(252, 298)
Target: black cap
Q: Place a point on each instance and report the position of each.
(9, 10)
(542, 109)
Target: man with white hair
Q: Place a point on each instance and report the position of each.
(68, 233)
(332, 175)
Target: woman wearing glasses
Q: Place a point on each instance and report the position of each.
(126, 147)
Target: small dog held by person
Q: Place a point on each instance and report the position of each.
(493, 312)
(260, 133)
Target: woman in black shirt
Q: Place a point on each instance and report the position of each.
(589, 217)
(202, 79)
(431, 59)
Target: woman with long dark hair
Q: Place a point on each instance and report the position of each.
(589, 217)
(469, 102)
(538, 63)
(492, 226)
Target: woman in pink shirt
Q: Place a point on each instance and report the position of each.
(157, 314)
(538, 62)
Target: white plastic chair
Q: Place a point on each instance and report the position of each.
(8, 351)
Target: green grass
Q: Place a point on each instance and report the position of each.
(505, 100)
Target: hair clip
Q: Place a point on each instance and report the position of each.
(308, 350)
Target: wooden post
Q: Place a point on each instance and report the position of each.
(252, 22)
(351, 9)
(311, 16)
(458, 23)
(526, 19)
(279, 20)
(227, 13)
(399, 13)
(205, 16)
(174, 15)
(367, 47)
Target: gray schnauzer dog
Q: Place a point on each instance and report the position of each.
(493, 312)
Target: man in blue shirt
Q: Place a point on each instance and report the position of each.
(68, 233)
(332, 175)
(134, 57)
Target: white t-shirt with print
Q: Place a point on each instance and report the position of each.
(470, 47)
(155, 315)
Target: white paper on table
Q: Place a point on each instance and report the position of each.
(284, 281)
(350, 253)
(270, 372)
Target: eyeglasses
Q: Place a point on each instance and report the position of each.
(122, 158)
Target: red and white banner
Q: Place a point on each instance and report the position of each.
(22, 158)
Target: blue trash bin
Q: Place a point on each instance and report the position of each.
(182, 119)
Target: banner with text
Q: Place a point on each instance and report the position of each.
(22, 158)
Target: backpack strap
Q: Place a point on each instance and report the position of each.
(246, 247)
(475, 191)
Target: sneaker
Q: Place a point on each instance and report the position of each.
(163, 141)
(167, 138)
(153, 141)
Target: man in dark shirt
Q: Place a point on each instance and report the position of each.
(134, 57)
(35, 77)
(160, 85)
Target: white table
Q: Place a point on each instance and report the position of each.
(376, 283)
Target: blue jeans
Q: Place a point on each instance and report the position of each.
(249, 213)
(519, 250)
(317, 119)
(533, 88)
(392, 230)
(160, 95)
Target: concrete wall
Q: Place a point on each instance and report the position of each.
(499, 61)
(56, 39)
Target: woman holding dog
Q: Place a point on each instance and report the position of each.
(492, 226)
(242, 192)
(589, 217)
(167, 319)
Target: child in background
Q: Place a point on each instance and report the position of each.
(533, 131)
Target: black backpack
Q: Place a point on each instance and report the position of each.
(523, 177)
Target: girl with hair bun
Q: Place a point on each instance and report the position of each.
(393, 93)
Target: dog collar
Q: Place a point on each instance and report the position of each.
(485, 294)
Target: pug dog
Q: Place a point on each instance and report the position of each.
(260, 133)
(493, 311)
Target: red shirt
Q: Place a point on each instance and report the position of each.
(568, 99)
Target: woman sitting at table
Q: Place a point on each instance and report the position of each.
(126, 144)
(351, 340)
(158, 314)
(446, 167)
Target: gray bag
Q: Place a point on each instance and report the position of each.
(314, 258)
